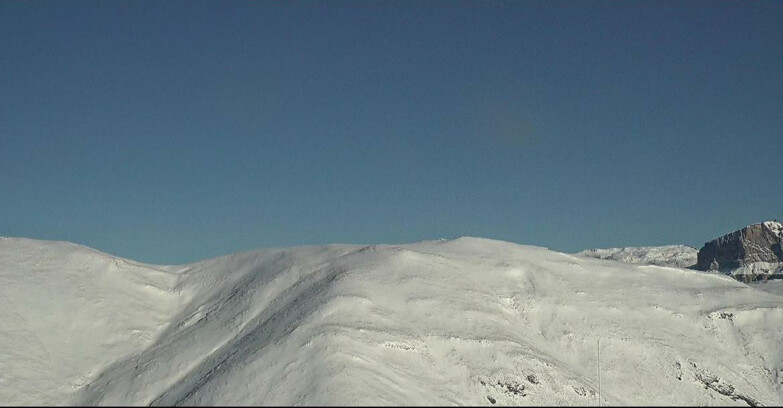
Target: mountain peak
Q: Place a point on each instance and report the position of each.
(748, 253)
(773, 226)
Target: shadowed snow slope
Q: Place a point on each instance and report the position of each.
(466, 321)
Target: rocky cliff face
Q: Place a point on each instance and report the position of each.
(750, 248)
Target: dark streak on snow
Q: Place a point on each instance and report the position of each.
(714, 383)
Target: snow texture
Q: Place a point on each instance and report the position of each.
(680, 256)
(468, 321)
(774, 226)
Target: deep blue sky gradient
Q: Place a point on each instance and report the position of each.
(169, 132)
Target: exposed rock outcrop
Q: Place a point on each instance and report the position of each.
(754, 250)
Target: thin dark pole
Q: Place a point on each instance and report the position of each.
(599, 372)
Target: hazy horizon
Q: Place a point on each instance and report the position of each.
(168, 132)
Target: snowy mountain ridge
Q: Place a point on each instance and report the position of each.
(774, 226)
(679, 256)
(465, 321)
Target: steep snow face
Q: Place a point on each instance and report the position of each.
(774, 226)
(679, 256)
(466, 321)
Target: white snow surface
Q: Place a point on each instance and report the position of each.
(466, 321)
(772, 286)
(680, 256)
(756, 270)
(774, 226)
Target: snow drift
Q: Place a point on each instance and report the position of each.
(466, 321)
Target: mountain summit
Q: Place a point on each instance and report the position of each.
(751, 253)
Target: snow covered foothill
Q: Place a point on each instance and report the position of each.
(680, 256)
(757, 271)
(466, 321)
(771, 286)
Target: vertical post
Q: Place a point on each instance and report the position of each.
(599, 372)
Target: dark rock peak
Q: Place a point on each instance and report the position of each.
(755, 243)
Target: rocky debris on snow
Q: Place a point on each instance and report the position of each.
(715, 383)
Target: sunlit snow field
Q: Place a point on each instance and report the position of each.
(465, 321)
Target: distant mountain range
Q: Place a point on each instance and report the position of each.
(752, 253)
(679, 256)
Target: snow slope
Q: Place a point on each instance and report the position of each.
(679, 256)
(68, 311)
(771, 286)
(466, 321)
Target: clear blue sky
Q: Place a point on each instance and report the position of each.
(169, 132)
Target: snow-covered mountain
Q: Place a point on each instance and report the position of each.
(754, 252)
(679, 256)
(466, 321)
(68, 311)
